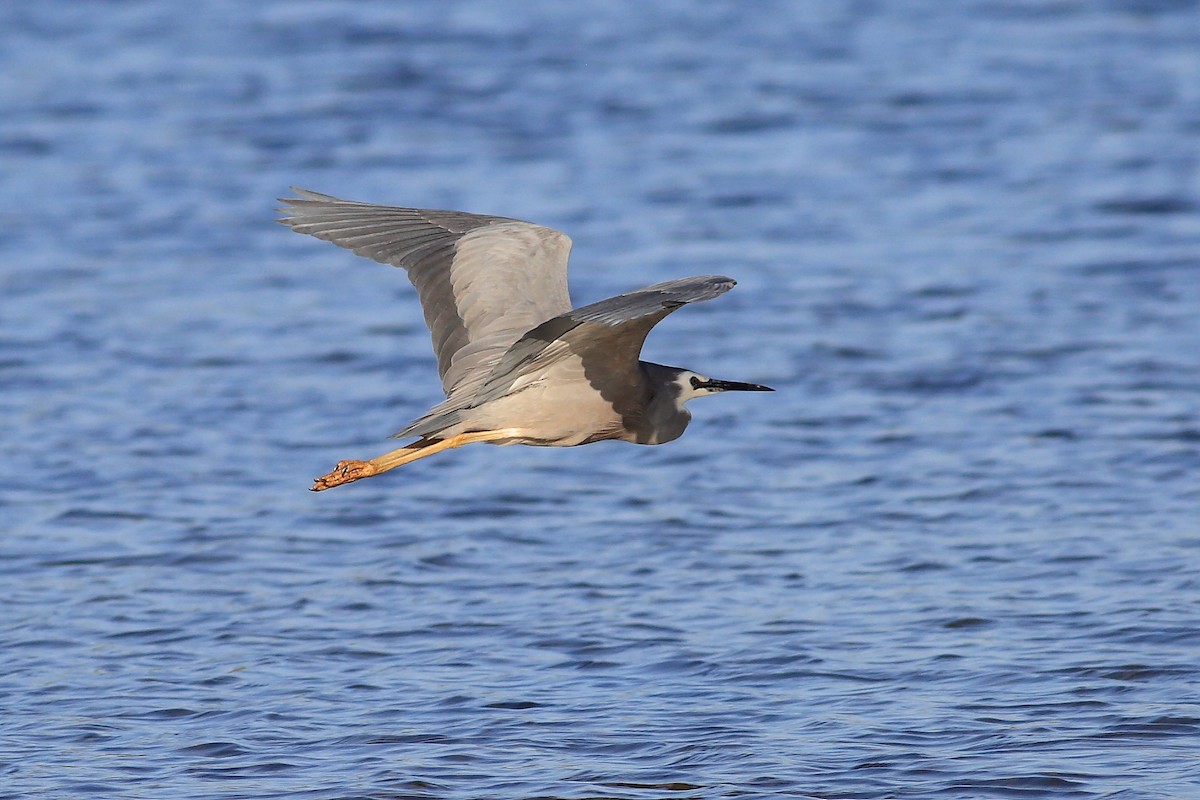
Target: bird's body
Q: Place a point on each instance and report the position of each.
(561, 409)
(518, 364)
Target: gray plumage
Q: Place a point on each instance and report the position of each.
(512, 352)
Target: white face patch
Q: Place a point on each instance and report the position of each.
(691, 385)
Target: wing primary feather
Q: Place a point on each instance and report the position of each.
(485, 282)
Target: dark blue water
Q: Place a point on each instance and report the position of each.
(957, 554)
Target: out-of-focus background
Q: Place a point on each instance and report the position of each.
(955, 554)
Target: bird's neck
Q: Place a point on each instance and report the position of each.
(665, 418)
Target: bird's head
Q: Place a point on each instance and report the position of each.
(665, 417)
(693, 385)
(686, 385)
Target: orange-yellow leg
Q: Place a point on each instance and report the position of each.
(353, 470)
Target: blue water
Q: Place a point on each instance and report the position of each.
(956, 554)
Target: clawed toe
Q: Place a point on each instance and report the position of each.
(344, 472)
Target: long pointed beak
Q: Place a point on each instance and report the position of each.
(736, 386)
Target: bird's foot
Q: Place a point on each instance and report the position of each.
(345, 472)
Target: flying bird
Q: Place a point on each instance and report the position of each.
(518, 364)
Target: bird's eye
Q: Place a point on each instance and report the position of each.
(696, 382)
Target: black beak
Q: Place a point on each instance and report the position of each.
(734, 386)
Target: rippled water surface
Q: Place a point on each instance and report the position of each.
(956, 554)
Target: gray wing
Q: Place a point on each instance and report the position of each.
(482, 281)
(607, 337)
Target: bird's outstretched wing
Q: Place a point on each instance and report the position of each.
(606, 337)
(483, 281)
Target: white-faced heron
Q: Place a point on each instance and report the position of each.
(519, 365)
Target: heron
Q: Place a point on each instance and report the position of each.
(518, 363)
